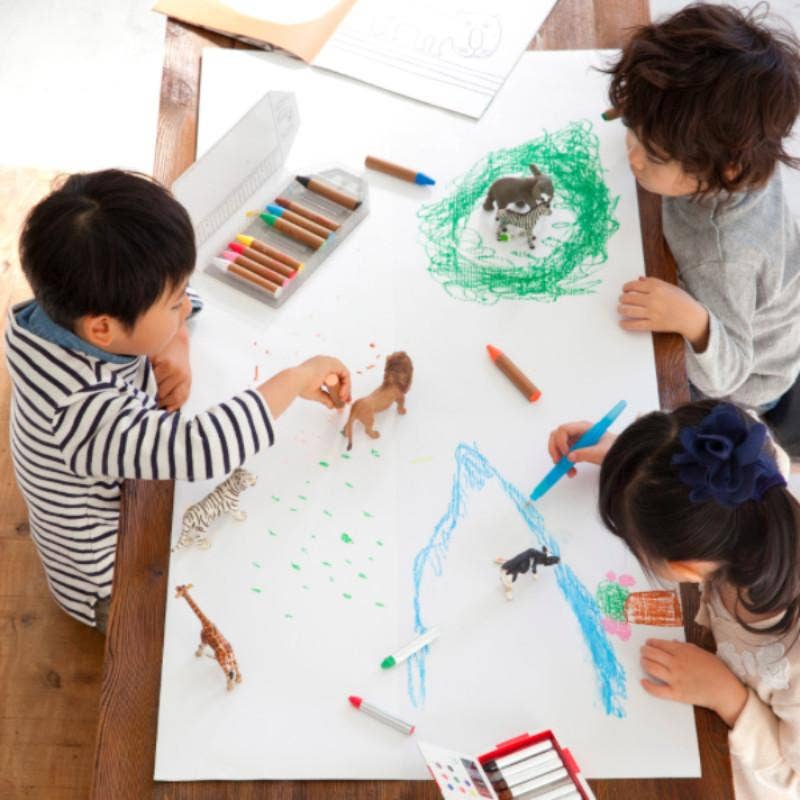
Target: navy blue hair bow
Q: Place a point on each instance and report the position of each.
(723, 459)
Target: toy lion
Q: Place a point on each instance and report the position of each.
(396, 383)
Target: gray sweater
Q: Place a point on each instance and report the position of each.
(739, 255)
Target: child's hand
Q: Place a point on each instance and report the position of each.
(692, 675)
(315, 372)
(650, 304)
(172, 371)
(564, 436)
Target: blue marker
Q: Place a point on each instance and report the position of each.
(591, 437)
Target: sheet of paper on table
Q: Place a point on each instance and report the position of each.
(344, 555)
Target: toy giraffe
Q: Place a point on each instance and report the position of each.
(211, 637)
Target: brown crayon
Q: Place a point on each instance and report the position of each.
(256, 268)
(331, 192)
(320, 219)
(611, 114)
(260, 258)
(294, 231)
(298, 219)
(272, 252)
(250, 277)
(514, 374)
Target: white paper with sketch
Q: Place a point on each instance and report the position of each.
(342, 559)
(449, 54)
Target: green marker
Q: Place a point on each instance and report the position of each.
(404, 652)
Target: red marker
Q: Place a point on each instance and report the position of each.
(514, 373)
(381, 716)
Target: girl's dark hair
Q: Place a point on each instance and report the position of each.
(646, 504)
(714, 89)
(107, 242)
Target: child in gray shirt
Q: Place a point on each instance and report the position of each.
(709, 96)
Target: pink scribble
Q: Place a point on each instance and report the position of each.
(627, 580)
(616, 628)
(611, 575)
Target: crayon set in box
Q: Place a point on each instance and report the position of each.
(259, 228)
(528, 767)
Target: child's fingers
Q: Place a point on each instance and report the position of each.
(636, 324)
(344, 386)
(632, 311)
(656, 654)
(639, 285)
(655, 670)
(593, 454)
(666, 645)
(657, 690)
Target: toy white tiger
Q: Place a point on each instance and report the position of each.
(526, 222)
(223, 499)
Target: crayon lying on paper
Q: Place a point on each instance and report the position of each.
(381, 715)
(404, 173)
(588, 439)
(514, 373)
(412, 647)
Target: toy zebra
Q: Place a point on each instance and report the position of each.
(224, 498)
(526, 221)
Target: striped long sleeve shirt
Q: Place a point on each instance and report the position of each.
(81, 422)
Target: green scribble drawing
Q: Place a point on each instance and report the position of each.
(324, 464)
(472, 269)
(347, 596)
(256, 564)
(368, 515)
(611, 599)
(375, 453)
(271, 532)
(362, 575)
(327, 513)
(349, 485)
(295, 566)
(346, 539)
(276, 499)
(255, 589)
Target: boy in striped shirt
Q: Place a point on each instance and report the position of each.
(99, 363)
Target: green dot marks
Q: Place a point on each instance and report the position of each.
(276, 498)
(295, 567)
(302, 497)
(288, 616)
(473, 270)
(323, 464)
(348, 562)
(326, 513)
(256, 564)
(349, 485)
(373, 452)
(362, 575)
(347, 596)
(306, 587)
(327, 564)
(379, 543)
(271, 532)
(380, 605)
(368, 515)
(346, 538)
(255, 589)
(304, 550)
(292, 509)
(346, 456)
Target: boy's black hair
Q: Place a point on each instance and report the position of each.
(108, 242)
(644, 501)
(714, 89)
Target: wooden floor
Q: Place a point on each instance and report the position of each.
(50, 665)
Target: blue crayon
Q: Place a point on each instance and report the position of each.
(591, 437)
(404, 173)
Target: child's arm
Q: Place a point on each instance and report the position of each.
(765, 738)
(719, 331)
(108, 432)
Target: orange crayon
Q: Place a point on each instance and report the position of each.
(514, 373)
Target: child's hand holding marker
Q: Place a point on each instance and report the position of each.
(565, 436)
(306, 380)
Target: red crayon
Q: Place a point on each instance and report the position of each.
(514, 374)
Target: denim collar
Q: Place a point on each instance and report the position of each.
(33, 319)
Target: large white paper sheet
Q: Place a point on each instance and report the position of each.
(446, 54)
(320, 582)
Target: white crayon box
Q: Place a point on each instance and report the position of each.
(527, 767)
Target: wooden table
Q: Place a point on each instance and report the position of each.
(126, 739)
